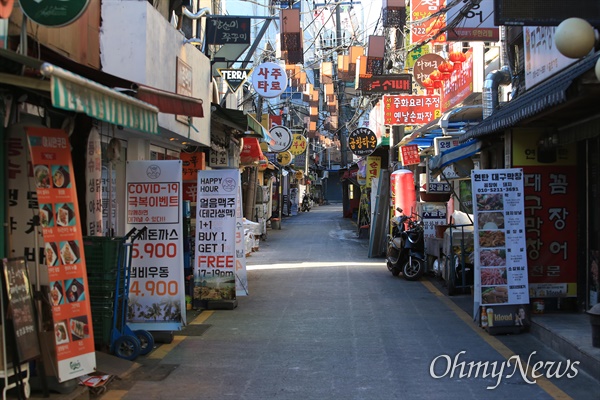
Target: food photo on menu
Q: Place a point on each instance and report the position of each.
(51, 254)
(61, 332)
(490, 202)
(46, 216)
(61, 178)
(56, 293)
(79, 328)
(490, 220)
(41, 174)
(69, 252)
(65, 216)
(74, 290)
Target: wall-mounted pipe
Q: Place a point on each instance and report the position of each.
(490, 89)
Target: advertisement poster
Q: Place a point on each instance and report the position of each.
(154, 202)
(93, 178)
(550, 187)
(61, 228)
(501, 281)
(214, 273)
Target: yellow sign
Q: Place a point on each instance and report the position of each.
(535, 147)
(284, 158)
(299, 175)
(298, 144)
(373, 168)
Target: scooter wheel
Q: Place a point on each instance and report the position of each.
(146, 341)
(413, 269)
(393, 269)
(127, 347)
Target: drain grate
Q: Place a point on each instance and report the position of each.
(193, 330)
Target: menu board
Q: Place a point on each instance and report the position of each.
(63, 252)
(21, 309)
(214, 272)
(500, 245)
(154, 199)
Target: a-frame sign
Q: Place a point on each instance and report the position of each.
(234, 77)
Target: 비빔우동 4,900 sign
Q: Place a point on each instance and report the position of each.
(54, 13)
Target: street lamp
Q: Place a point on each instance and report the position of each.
(574, 38)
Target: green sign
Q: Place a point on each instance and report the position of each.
(54, 13)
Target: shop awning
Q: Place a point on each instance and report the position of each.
(547, 94)
(453, 155)
(76, 93)
(237, 119)
(169, 102)
(251, 152)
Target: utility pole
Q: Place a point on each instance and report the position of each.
(341, 89)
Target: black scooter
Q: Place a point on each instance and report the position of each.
(406, 248)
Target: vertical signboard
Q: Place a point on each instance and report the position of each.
(59, 217)
(550, 187)
(372, 169)
(501, 283)
(156, 291)
(214, 273)
(93, 179)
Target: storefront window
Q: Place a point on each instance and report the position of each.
(593, 273)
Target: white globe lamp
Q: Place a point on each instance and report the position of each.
(574, 38)
(597, 69)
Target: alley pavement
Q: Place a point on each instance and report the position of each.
(324, 321)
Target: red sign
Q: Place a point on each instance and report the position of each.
(460, 84)
(410, 154)
(421, 9)
(390, 84)
(410, 110)
(63, 254)
(551, 222)
(191, 163)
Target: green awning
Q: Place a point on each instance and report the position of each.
(76, 93)
(239, 120)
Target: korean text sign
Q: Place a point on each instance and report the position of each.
(156, 290)
(214, 272)
(64, 253)
(410, 109)
(500, 245)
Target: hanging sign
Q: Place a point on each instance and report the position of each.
(234, 78)
(501, 281)
(269, 79)
(227, 30)
(411, 110)
(362, 141)
(285, 158)
(281, 139)
(298, 144)
(154, 199)
(410, 154)
(425, 65)
(21, 309)
(54, 13)
(214, 272)
(59, 217)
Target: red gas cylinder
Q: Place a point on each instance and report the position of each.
(404, 195)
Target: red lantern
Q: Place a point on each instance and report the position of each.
(458, 57)
(446, 69)
(436, 77)
(428, 83)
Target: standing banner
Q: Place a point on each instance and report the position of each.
(216, 206)
(156, 289)
(501, 283)
(241, 276)
(61, 228)
(93, 179)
